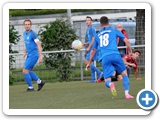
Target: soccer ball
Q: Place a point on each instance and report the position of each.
(77, 45)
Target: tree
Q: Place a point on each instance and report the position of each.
(56, 36)
(14, 38)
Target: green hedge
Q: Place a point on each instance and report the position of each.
(26, 12)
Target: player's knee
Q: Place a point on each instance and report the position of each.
(119, 78)
(24, 71)
(124, 73)
(107, 79)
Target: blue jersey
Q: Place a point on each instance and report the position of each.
(105, 41)
(91, 32)
(31, 46)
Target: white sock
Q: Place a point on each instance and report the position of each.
(126, 92)
(38, 81)
(30, 87)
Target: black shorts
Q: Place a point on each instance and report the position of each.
(113, 78)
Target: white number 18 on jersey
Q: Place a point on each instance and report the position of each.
(104, 40)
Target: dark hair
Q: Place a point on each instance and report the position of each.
(89, 17)
(137, 51)
(28, 21)
(104, 20)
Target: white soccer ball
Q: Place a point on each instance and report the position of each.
(77, 45)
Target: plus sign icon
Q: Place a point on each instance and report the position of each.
(147, 99)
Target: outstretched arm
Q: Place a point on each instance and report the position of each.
(136, 74)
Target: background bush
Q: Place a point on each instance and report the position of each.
(14, 38)
(56, 36)
(26, 12)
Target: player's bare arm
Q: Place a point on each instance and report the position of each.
(85, 44)
(128, 64)
(128, 45)
(25, 53)
(136, 75)
(39, 51)
(90, 45)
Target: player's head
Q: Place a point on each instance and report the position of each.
(136, 54)
(27, 24)
(104, 21)
(119, 26)
(88, 20)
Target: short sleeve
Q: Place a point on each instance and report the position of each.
(127, 57)
(92, 32)
(34, 35)
(95, 44)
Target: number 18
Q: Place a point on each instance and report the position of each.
(104, 40)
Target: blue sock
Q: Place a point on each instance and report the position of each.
(33, 76)
(126, 83)
(95, 68)
(93, 74)
(107, 83)
(28, 79)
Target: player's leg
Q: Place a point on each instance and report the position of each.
(126, 84)
(34, 76)
(128, 71)
(95, 58)
(120, 67)
(118, 76)
(114, 77)
(27, 76)
(28, 80)
(93, 79)
(108, 71)
(96, 69)
(32, 61)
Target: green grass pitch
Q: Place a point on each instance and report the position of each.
(74, 95)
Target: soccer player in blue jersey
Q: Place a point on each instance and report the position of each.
(33, 52)
(91, 33)
(110, 57)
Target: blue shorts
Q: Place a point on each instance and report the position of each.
(30, 62)
(95, 57)
(112, 62)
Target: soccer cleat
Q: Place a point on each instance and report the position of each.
(129, 96)
(40, 85)
(98, 81)
(100, 76)
(30, 90)
(113, 89)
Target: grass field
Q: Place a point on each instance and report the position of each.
(73, 95)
